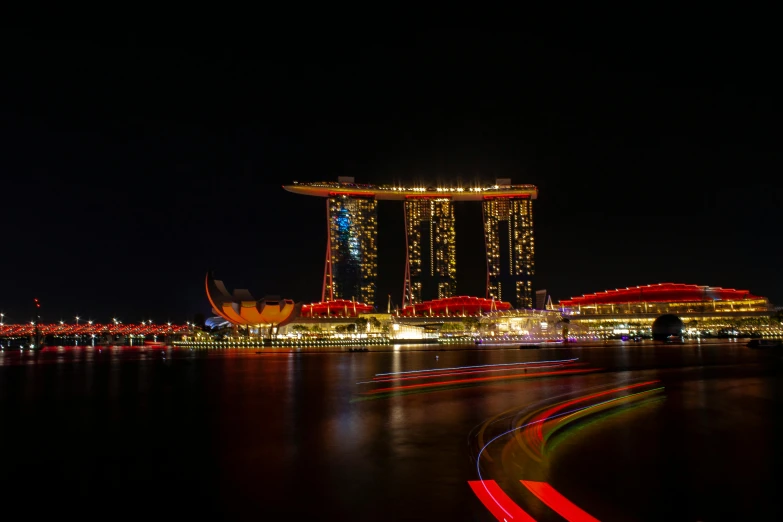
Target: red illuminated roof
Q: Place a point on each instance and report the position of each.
(662, 292)
(456, 306)
(338, 307)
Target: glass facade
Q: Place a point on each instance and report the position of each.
(508, 232)
(352, 257)
(431, 261)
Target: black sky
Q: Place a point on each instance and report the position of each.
(134, 162)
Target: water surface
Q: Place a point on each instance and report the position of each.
(119, 432)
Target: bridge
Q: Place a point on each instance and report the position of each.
(97, 329)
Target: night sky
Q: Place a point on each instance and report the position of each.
(133, 163)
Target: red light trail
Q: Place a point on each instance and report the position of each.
(534, 432)
(561, 505)
(532, 436)
(497, 502)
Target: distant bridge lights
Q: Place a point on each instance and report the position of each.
(68, 330)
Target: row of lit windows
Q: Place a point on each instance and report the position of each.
(518, 214)
(438, 216)
(442, 244)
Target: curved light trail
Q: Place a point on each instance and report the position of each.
(547, 494)
(535, 435)
(497, 502)
(514, 412)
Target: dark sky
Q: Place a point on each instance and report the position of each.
(132, 163)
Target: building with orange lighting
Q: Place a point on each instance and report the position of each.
(350, 268)
(240, 308)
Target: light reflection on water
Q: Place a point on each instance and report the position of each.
(242, 435)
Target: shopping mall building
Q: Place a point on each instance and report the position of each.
(704, 310)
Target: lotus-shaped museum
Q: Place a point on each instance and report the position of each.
(241, 308)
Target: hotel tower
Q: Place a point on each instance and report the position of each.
(351, 265)
(508, 232)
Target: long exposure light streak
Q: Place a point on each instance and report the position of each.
(532, 438)
(562, 421)
(598, 417)
(536, 434)
(505, 416)
(555, 500)
(509, 509)
(477, 366)
(521, 427)
(478, 379)
(465, 372)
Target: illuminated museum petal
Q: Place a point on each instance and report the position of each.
(243, 309)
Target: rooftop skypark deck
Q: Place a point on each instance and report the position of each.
(327, 189)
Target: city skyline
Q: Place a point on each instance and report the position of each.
(175, 313)
(652, 166)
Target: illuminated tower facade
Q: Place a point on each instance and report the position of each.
(351, 268)
(431, 260)
(508, 232)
